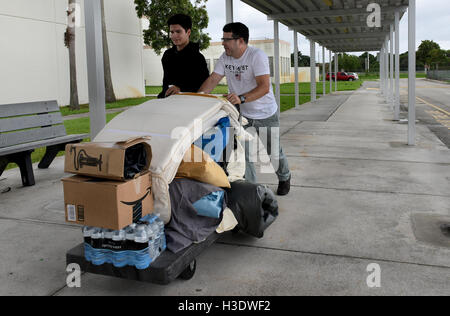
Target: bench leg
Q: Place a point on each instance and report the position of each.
(23, 160)
(4, 161)
(50, 154)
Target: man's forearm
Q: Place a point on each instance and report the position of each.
(262, 88)
(210, 83)
(256, 93)
(207, 86)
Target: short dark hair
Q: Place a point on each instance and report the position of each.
(182, 19)
(238, 29)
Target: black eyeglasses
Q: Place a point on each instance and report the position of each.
(224, 39)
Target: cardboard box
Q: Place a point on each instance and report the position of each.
(103, 160)
(106, 203)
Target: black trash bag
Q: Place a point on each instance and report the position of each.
(254, 206)
(135, 161)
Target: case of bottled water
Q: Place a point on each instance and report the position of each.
(136, 245)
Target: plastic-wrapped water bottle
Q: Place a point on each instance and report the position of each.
(87, 234)
(146, 219)
(141, 240)
(130, 245)
(152, 247)
(160, 223)
(152, 232)
(157, 235)
(119, 253)
(108, 244)
(98, 255)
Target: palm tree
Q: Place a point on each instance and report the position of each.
(109, 89)
(69, 41)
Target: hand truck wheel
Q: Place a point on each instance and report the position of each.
(189, 272)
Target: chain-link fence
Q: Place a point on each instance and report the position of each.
(443, 75)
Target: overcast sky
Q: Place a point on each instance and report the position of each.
(433, 17)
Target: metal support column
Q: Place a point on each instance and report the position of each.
(297, 93)
(386, 68)
(391, 68)
(412, 73)
(382, 70)
(277, 62)
(330, 71)
(94, 56)
(397, 67)
(313, 70)
(323, 71)
(229, 11)
(336, 60)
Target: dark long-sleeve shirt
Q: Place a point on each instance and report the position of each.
(185, 69)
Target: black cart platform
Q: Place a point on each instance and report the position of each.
(167, 267)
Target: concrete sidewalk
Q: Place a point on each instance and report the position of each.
(360, 195)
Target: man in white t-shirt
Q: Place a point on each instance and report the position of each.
(248, 76)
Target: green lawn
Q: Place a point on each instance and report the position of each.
(220, 89)
(288, 102)
(376, 76)
(82, 125)
(76, 126)
(285, 88)
(84, 108)
(305, 87)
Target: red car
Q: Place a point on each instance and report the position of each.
(342, 76)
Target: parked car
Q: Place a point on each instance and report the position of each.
(356, 75)
(343, 76)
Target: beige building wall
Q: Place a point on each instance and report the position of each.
(35, 62)
(215, 50)
(304, 74)
(154, 72)
(152, 67)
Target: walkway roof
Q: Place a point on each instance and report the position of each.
(339, 25)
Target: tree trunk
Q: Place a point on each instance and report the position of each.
(70, 44)
(109, 89)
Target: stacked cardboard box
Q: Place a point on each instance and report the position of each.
(103, 193)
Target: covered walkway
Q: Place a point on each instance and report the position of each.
(360, 196)
(341, 26)
(338, 25)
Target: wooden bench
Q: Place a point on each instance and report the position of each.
(27, 126)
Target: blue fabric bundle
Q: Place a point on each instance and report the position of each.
(214, 144)
(210, 205)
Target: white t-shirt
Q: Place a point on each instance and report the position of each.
(241, 78)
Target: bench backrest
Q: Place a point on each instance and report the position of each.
(28, 122)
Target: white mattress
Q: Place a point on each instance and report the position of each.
(174, 124)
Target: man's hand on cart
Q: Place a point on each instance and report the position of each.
(172, 90)
(233, 98)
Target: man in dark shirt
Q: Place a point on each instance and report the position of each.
(184, 66)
